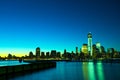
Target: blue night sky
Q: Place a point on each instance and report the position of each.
(57, 24)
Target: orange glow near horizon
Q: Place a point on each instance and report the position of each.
(16, 54)
(21, 51)
(14, 51)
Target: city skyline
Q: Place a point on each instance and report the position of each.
(85, 48)
(57, 24)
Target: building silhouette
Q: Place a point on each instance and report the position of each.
(77, 51)
(73, 55)
(37, 52)
(53, 54)
(111, 51)
(89, 43)
(47, 55)
(58, 55)
(42, 55)
(103, 49)
(65, 53)
(31, 54)
(94, 48)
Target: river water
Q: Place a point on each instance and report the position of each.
(76, 71)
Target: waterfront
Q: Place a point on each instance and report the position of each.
(75, 71)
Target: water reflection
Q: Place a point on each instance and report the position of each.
(100, 71)
(76, 71)
(92, 71)
(85, 70)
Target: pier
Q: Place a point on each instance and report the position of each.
(6, 71)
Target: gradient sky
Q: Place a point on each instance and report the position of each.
(57, 24)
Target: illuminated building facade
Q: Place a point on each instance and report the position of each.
(98, 46)
(85, 49)
(89, 43)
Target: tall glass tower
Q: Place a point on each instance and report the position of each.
(89, 43)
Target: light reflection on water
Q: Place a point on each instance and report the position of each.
(100, 71)
(93, 71)
(76, 71)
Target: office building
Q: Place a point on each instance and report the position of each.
(37, 52)
(85, 49)
(76, 50)
(89, 43)
(98, 46)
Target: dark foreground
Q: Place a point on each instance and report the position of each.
(76, 71)
(7, 72)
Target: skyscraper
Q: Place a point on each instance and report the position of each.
(37, 52)
(53, 53)
(65, 53)
(76, 50)
(31, 54)
(89, 43)
(98, 46)
(85, 49)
